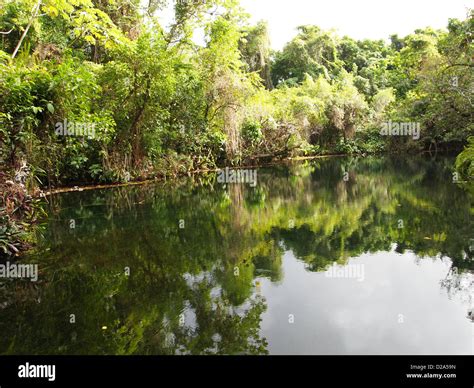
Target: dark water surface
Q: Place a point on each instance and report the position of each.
(303, 263)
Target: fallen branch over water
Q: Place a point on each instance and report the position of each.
(161, 179)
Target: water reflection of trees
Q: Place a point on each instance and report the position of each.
(460, 285)
(232, 235)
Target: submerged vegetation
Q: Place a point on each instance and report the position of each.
(101, 91)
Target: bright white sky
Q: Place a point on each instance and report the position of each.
(359, 19)
(374, 19)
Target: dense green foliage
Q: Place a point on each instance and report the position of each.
(156, 103)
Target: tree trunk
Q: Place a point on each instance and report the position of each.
(35, 11)
(135, 127)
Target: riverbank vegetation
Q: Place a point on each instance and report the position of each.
(102, 91)
(159, 103)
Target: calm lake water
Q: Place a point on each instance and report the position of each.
(309, 261)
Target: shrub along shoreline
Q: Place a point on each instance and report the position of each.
(65, 189)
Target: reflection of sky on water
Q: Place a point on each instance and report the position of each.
(344, 316)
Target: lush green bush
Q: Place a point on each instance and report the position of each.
(465, 161)
(252, 132)
(11, 236)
